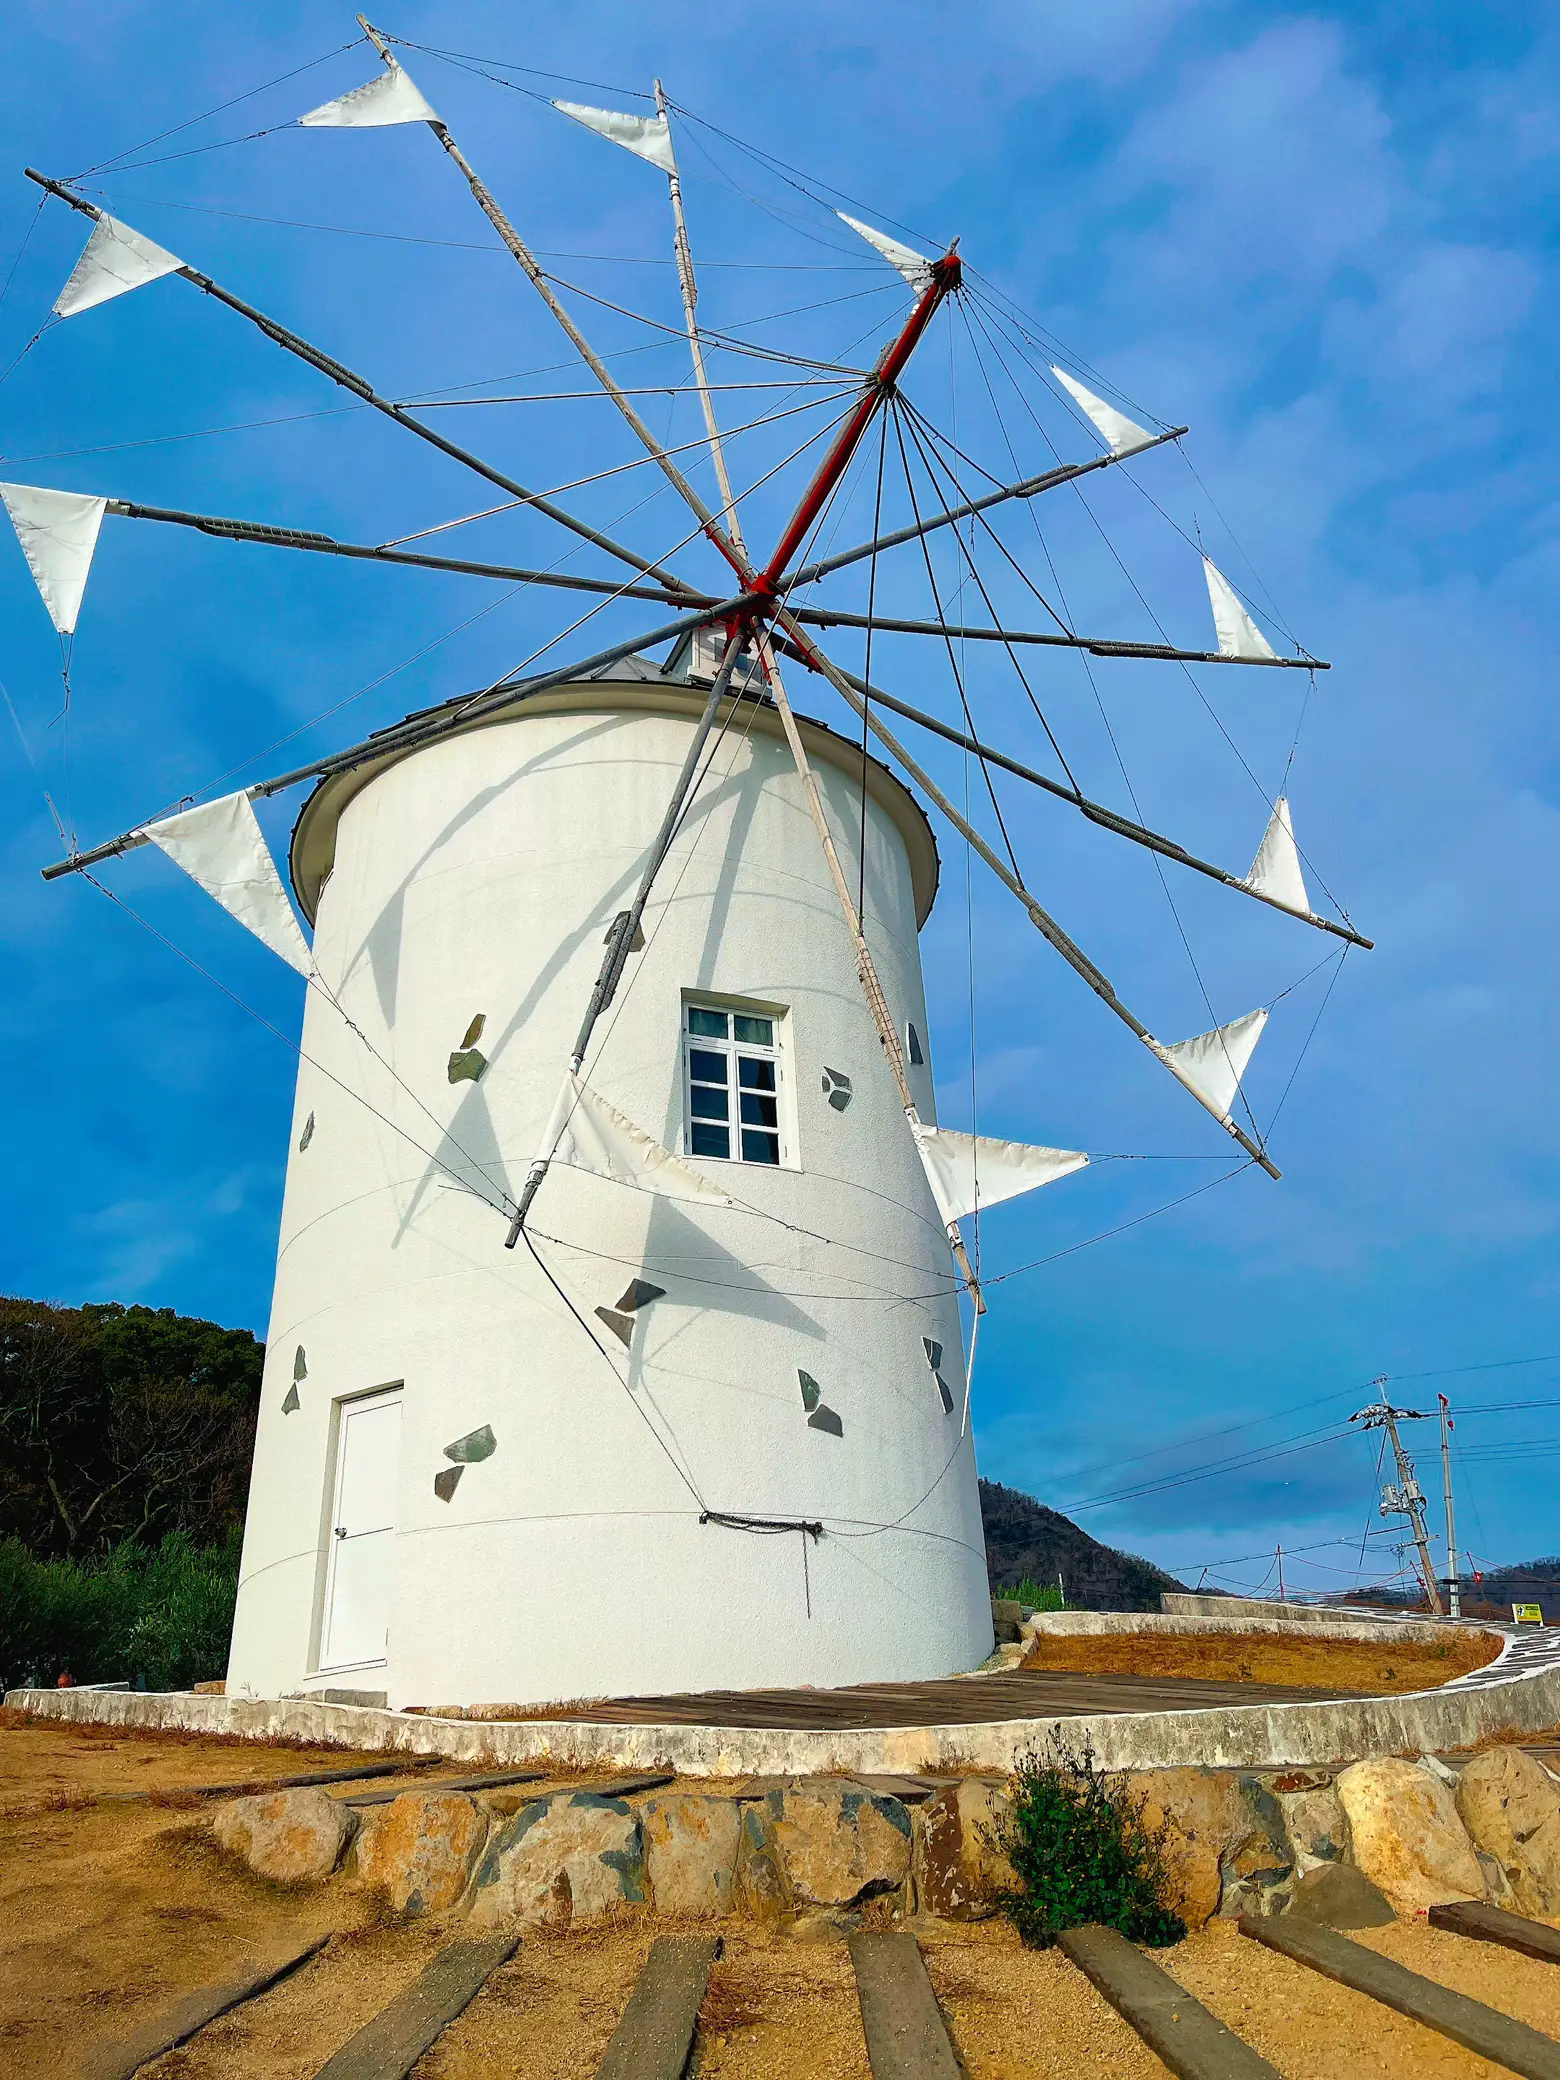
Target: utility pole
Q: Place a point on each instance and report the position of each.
(1453, 1586)
(1405, 1497)
(1279, 1555)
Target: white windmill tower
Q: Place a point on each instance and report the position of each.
(588, 975)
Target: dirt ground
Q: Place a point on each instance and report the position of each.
(111, 1911)
(1311, 1664)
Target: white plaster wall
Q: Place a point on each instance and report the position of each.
(480, 874)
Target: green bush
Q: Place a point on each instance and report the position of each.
(1083, 1853)
(1038, 1596)
(158, 1617)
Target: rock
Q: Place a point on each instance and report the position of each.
(420, 1848)
(759, 1886)
(838, 1846)
(1497, 1886)
(1511, 1808)
(1339, 1896)
(1316, 1826)
(818, 1927)
(1205, 1815)
(691, 1853)
(1406, 1835)
(958, 1864)
(295, 1837)
(574, 1857)
(1257, 1868)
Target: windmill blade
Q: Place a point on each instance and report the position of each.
(969, 1172)
(391, 98)
(914, 266)
(1275, 872)
(347, 379)
(1211, 1065)
(58, 532)
(647, 137)
(1123, 436)
(115, 259)
(222, 848)
(1239, 635)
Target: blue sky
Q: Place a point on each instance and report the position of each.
(1323, 239)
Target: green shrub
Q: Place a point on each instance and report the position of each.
(1038, 1596)
(1083, 1853)
(160, 1617)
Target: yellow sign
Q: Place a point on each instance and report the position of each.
(1527, 1613)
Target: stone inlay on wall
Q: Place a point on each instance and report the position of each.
(819, 1414)
(307, 1135)
(619, 1318)
(468, 1062)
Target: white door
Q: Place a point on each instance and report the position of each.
(357, 1588)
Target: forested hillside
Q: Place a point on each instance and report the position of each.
(1025, 1541)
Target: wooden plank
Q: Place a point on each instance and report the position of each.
(437, 1784)
(910, 1791)
(907, 2038)
(176, 2025)
(1492, 2035)
(1469, 1917)
(622, 1787)
(1190, 2039)
(655, 2035)
(255, 1787)
(390, 2045)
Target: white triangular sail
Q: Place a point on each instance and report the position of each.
(914, 266)
(221, 846)
(114, 259)
(58, 531)
(1123, 436)
(1211, 1065)
(1239, 635)
(391, 98)
(648, 137)
(589, 1134)
(1275, 872)
(968, 1172)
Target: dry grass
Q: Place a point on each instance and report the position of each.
(1363, 1666)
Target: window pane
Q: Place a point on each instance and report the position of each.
(757, 1110)
(708, 1141)
(760, 1148)
(755, 1076)
(707, 1104)
(711, 1023)
(756, 1032)
(705, 1067)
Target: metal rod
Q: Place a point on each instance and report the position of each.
(347, 379)
(598, 368)
(327, 545)
(418, 730)
(1043, 922)
(1097, 646)
(1107, 819)
(1030, 487)
(626, 925)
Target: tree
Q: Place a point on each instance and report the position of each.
(122, 1422)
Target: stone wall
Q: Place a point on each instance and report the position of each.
(821, 1855)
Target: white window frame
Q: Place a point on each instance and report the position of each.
(734, 1050)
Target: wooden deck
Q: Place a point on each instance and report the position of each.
(953, 1701)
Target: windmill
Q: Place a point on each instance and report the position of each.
(619, 1240)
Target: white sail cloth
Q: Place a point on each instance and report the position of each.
(589, 1134)
(1211, 1065)
(914, 266)
(1275, 872)
(1123, 436)
(392, 98)
(648, 137)
(1239, 635)
(114, 259)
(968, 1172)
(221, 846)
(58, 531)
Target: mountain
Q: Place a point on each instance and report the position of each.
(1025, 1541)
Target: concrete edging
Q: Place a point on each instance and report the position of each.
(1262, 1619)
(1237, 1736)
